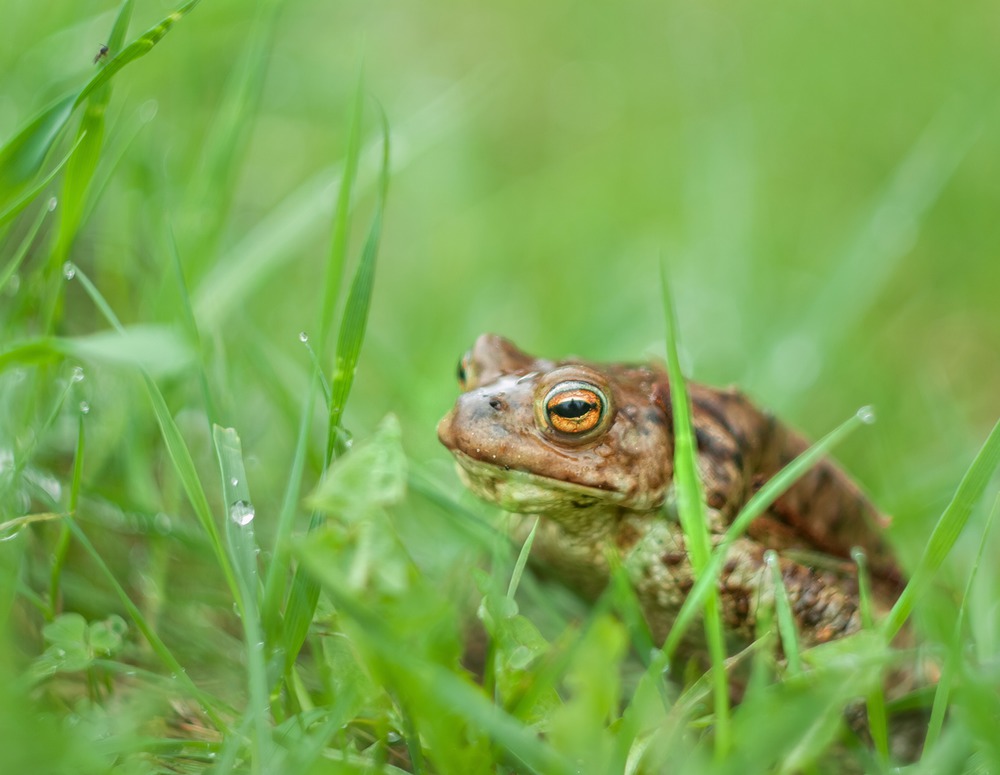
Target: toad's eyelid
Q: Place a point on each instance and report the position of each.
(529, 375)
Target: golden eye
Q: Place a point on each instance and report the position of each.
(575, 407)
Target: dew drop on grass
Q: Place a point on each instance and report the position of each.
(9, 531)
(303, 337)
(147, 111)
(78, 375)
(69, 270)
(52, 204)
(234, 481)
(866, 414)
(162, 523)
(84, 407)
(242, 513)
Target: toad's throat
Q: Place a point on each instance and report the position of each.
(527, 493)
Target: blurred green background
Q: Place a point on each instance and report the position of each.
(819, 179)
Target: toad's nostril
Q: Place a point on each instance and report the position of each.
(496, 403)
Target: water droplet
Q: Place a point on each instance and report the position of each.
(84, 407)
(69, 270)
(78, 374)
(147, 111)
(866, 414)
(162, 523)
(234, 481)
(303, 337)
(11, 530)
(242, 513)
(771, 558)
(52, 204)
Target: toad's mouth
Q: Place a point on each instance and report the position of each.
(526, 493)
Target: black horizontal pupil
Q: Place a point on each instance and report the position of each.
(573, 407)
(460, 373)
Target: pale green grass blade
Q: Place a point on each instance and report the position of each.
(333, 278)
(878, 721)
(277, 571)
(177, 449)
(191, 325)
(15, 262)
(522, 561)
(946, 531)
(12, 548)
(243, 551)
(303, 596)
(90, 139)
(868, 263)
(355, 320)
(693, 519)
(443, 691)
(19, 203)
(62, 545)
(209, 704)
(155, 349)
(137, 49)
(951, 664)
(24, 154)
(214, 185)
(783, 615)
(288, 228)
(186, 471)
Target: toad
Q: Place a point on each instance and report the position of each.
(589, 447)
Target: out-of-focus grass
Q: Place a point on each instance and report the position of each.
(820, 179)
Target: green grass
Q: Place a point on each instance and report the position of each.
(173, 216)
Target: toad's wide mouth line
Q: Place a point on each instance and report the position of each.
(485, 471)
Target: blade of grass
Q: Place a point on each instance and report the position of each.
(352, 327)
(22, 250)
(341, 222)
(878, 722)
(24, 154)
(90, 137)
(137, 49)
(694, 523)
(191, 325)
(304, 591)
(783, 615)
(243, 551)
(213, 187)
(274, 586)
(209, 704)
(441, 687)
(62, 545)
(18, 204)
(278, 237)
(951, 664)
(522, 561)
(177, 449)
(757, 505)
(22, 157)
(867, 264)
(946, 531)
(144, 347)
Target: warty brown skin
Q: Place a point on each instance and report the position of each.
(605, 488)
